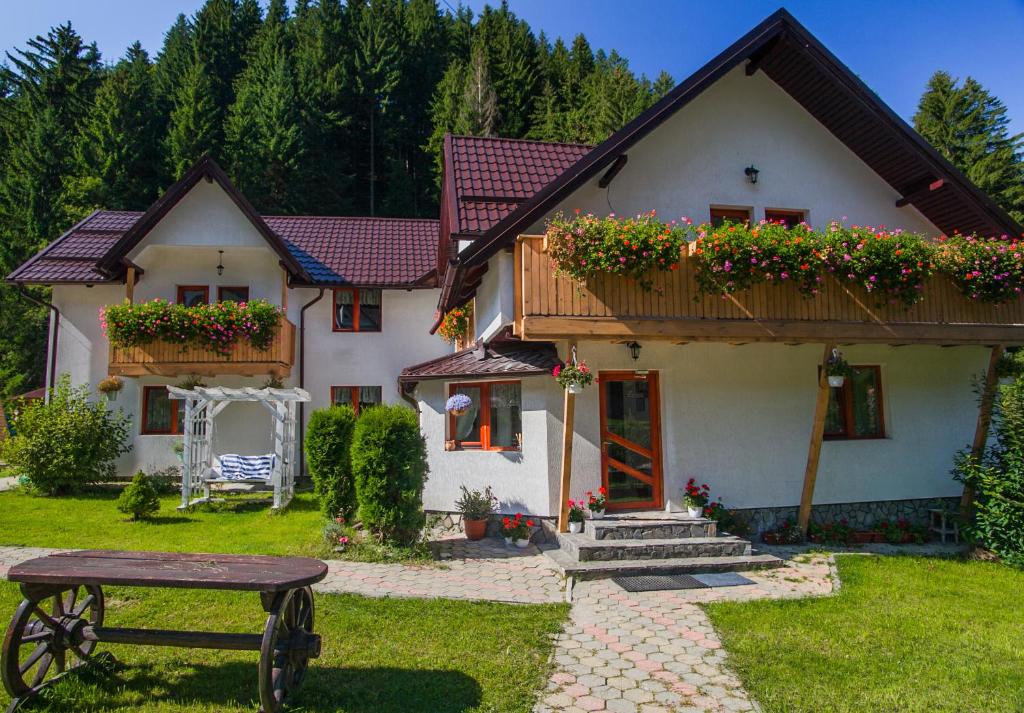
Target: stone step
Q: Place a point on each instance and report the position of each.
(680, 565)
(585, 548)
(632, 528)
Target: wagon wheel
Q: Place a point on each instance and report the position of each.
(44, 638)
(288, 644)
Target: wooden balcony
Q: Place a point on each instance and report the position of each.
(167, 359)
(548, 306)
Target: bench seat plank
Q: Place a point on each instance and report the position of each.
(258, 573)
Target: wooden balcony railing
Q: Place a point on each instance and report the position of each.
(548, 306)
(167, 359)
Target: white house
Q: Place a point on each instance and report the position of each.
(773, 128)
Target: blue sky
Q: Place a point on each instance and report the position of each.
(893, 45)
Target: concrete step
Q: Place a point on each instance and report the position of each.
(636, 528)
(680, 565)
(585, 548)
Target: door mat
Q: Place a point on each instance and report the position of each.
(664, 582)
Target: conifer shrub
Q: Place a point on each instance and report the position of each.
(328, 442)
(389, 461)
(139, 499)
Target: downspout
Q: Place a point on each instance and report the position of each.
(52, 371)
(302, 379)
(407, 396)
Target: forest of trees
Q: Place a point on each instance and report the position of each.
(328, 107)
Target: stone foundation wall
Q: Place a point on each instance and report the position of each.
(857, 515)
(450, 523)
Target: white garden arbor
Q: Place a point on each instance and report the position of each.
(203, 405)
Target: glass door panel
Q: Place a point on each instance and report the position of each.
(630, 439)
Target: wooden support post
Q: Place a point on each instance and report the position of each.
(988, 397)
(129, 285)
(814, 449)
(568, 414)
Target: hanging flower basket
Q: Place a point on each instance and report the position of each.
(458, 404)
(110, 387)
(837, 369)
(574, 376)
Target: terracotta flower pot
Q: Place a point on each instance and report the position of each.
(458, 411)
(771, 538)
(879, 538)
(475, 529)
(864, 537)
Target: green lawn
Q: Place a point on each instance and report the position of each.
(92, 520)
(903, 634)
(379, 656)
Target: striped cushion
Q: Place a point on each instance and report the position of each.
(236, 467)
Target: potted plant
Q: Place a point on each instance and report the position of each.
(110, 387)
(787, 533)
(573, 377)
(516, 530)
(576, 516)
(696, 497)
(597, 503)
(837, 369)
(458, 404)
(476, 508)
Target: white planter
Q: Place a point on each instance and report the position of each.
(836, 381)
(575, 527)
(111, 396)
(523, 544)
(597, 514)
(693, 512)
(508, 541)
(574, 388)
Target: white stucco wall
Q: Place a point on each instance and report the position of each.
(494, 305)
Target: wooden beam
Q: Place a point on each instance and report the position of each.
(613, 171)
(517, 288)
(919, 191)
(129, 285)
(814, 449)
(568, 414)
(988, 397)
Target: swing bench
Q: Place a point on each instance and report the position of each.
(202, 468)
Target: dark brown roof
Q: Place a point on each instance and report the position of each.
(72, 257)
(788, 53)
(491, 177)
(501, 357)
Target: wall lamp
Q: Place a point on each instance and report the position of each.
(634, 350)
(220, 263)
(751, 173)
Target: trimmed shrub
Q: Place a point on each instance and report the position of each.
(389, 461)
(328, 441)
(139, 499)
(66, 443)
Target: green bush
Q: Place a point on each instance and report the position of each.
(66, 443)
(998, 480)
(139, 499)
(389, 461)
(328, 441)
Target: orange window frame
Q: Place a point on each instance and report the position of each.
(353, 396)
(182, 289)
(484, 444)
(846, 408)
(789, 217)
(355, 311)
(144, 429)
(735, 215)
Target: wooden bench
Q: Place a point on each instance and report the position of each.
(57, 626)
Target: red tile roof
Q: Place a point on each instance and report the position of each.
(492, 176)
(383, 252)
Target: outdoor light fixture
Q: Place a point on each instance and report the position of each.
(220, 263)
(634, 350)
(751, 173)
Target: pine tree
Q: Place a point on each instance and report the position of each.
(512, 63)
(172, 63)
(478, 115)
(445, 111)
(117, 153)
(969, 126)
(263, 128)
(193, 126)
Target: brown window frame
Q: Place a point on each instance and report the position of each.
(484, 444)
(144, 428)
(353, 396)
(205, 289)
(355, 310)
(221, 288)
(734, 215)
(846, 403)
(775, 215)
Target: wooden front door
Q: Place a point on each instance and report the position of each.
(631, 439)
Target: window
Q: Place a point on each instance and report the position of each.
(232, 294)
(357, 310)
(358, 397)
(789, 218)
(160, 413)
(855, 408)
(732, 215)
(494, 422)
(192, 295)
